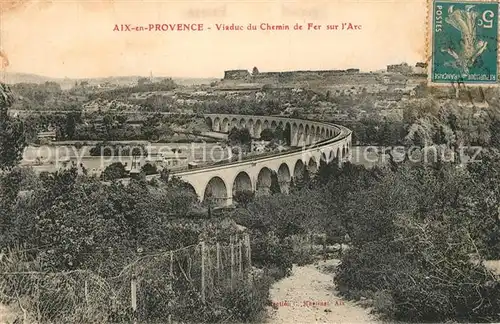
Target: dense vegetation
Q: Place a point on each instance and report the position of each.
(12, 136)
(418, 232)
(114, 126)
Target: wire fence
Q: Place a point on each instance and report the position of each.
(170, 286)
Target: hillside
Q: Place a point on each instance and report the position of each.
(66, 83)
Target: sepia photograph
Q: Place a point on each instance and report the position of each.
(256, 161)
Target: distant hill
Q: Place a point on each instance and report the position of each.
(66, 83)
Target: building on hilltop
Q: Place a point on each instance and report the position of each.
(402, 68)
(285, 75)
(46, 137)
(236, 74)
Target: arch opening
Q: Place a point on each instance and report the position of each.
(264, 180)
(284, 178)
(234, 123)
(208, 122)
(300, 135)
(216, 124)
(307, 135)
(299, 170)
(287, 134)
(317, 137)
(312, 166)
(324, 158)
(242, 187)
(294, 135)
(216, 192)
(242, 182)
(189, 187)
(225, 125)
(257, 128)
(250, 126)
(265, 124)
(313, 135)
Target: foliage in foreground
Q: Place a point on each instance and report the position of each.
(413, 239)
(83, 232)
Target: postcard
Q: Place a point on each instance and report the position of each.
(253, 161)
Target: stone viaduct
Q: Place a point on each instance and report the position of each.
(311, 142)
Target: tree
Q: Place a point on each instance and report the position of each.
(149, 169)
(70, 127)
(114, 171)
(275, 186)
(304, 180)
(165, 175)
(267, 134)
(244, 197)
(12, 135)
(255, 71)
(240, 136)
(418, 238)
(279, 134)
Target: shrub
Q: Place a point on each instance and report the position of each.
(248, 302)
(114, 171)
(424, 275)
(267, 134)
(273, 254)
(149, 168)
(243, 197)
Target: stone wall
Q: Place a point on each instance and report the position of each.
(286, 76)
(236, 75)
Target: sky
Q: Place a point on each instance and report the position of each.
(75, 38)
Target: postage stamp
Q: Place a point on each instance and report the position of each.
(464, 40)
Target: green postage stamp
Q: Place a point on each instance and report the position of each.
(464, 42)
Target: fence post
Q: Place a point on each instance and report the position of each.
(202, 247)
(240, 258)
(218, 260)
(311, 243)
(232, 261)
(248, 255)
(38, 312)
(86, 291)
(171, 266)
(248, 251)
(324, 247)
(133, 296)
(171, 273)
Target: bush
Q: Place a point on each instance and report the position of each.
(239, 136)
(267, 134)
(273, 254)
(424, 275)
(248, 302)
(149, 169)
(244, 197)
(303, 258)
(114, 171)
(78, 145)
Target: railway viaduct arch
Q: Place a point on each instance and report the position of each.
(311, 142)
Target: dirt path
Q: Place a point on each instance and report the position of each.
(6, 315)
(308, 296)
